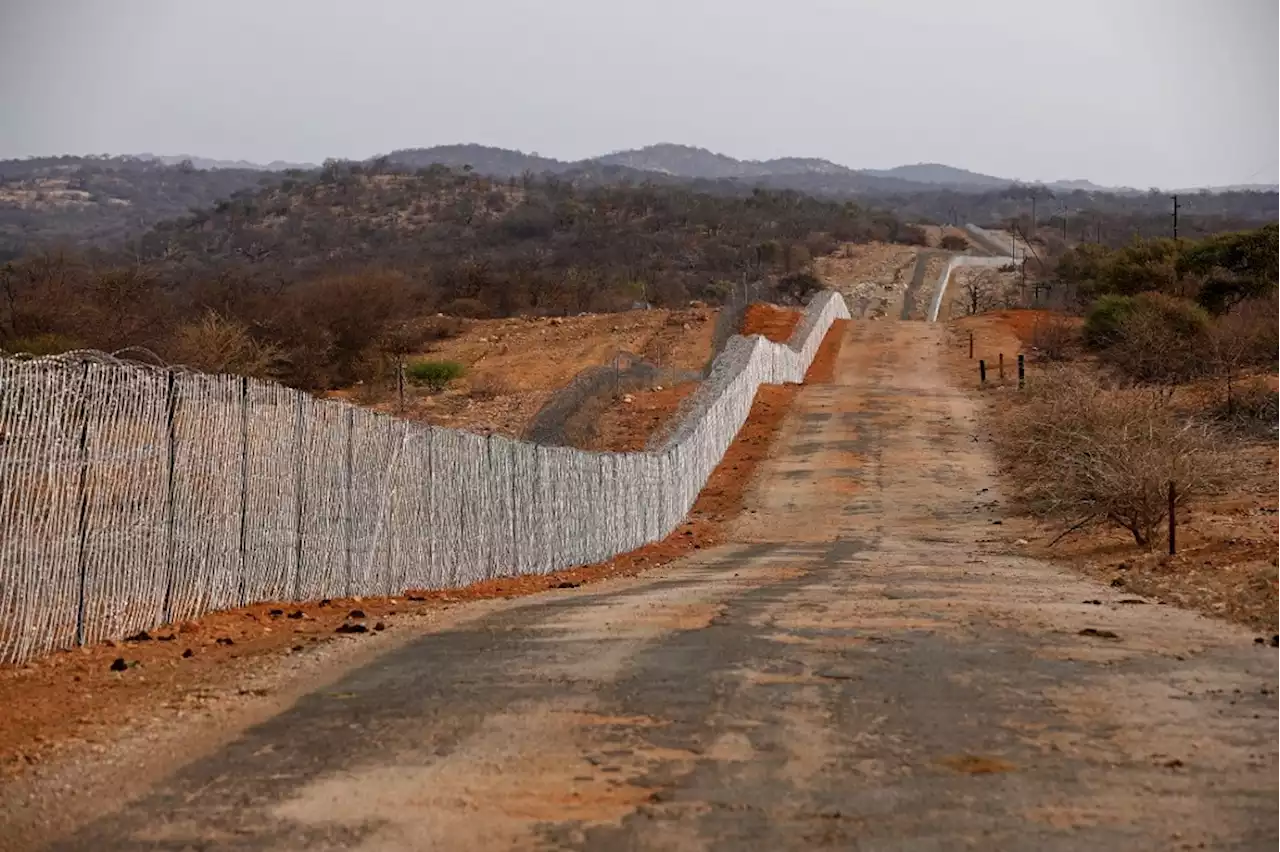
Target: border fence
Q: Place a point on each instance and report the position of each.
(132, 496)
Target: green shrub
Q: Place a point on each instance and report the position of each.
(1106, 315)
(1183, 317)
(435, 375)
(1162, 340)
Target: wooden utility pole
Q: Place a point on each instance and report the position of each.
(1176, 205)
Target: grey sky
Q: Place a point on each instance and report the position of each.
(1133, 92)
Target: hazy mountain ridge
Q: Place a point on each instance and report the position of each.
(211, 164)
(102, 200)
(683, 162)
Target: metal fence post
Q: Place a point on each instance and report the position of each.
(1022, 372)
(982, 371)
(400, 384)
(1002, 366)
(971, 345)
(170, 551)
(83, 523)
(244, 487)
(1173, 519)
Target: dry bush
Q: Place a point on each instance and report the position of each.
(1251, 407)
(492, 386)
(952, 242)
(1054, 337)
(1084, 453)
(217, 344)
(467, 308)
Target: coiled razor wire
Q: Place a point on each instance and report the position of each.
(133, 495)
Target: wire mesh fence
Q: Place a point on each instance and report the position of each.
(732, 311)
(132, 496)
(625, 371)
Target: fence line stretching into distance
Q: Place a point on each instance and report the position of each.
(133, 496)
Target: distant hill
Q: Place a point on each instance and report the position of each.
(100, 201)
(936, 173)
(206, 163)
(685, 161)
(665, 160)
(322, 277)
(483, 159)
(1078, 186)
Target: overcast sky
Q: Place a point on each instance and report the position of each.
(1142, 93)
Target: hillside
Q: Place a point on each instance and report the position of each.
(936, 173)
(101, 201)
(208, 163)
(484, 159)
(321, 279)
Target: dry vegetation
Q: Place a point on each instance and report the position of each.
(102, 200)
(1112, 413)
(1085, 452)
(320, 280)
(506, 382)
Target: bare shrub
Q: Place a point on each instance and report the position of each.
(468, 308)
(1084, 453)
(953, 242)
(492, 386)
(1053, 337)
(1252, 407)
(217, 344)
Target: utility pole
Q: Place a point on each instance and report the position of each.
(1033, 213)
(1176, 205)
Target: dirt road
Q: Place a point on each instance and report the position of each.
(864, 667)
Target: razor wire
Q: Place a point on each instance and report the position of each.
(133, 495)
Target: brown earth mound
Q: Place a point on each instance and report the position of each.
(771, 321)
